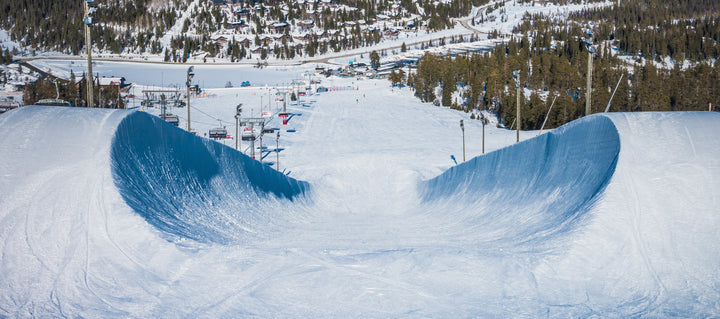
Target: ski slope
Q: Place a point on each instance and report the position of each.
(118, 214)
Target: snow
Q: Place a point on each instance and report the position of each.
(6, 43)
(114, 213)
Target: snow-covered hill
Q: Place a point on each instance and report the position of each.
(115, 213)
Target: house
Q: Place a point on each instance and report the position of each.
(266, 40)
(237, 25)
(306, 24)
(280, 26)
(392, 33)
(303, 37)
(112, 83)
(220, 43)
(221, 40)
(242, 13)
(245, 42)
(259, 50)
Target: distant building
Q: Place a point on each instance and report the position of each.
(306, 24)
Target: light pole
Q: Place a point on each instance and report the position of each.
(516, 76)
(238, 112)
(88, 21)
(262, 132)
(277, 150)
(588, 95)
(484, 122)
(252, 142)
(190, 75)
(462, 127)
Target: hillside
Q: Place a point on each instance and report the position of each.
(225, 29)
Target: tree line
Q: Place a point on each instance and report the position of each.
(554, 67)
(58, 25)
(73, 91)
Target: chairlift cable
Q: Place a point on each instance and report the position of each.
(208, 115)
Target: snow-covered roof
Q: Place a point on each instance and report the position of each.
(105, 81)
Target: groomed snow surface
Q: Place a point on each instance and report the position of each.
(118, 214)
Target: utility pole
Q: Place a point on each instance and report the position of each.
(277, 150)
(517, 128)
(262, 128)
(88, 21)
(484, 122)
(238, 113)
(516, 75)
(589, 84)
(252, 142)
(190, 75)
(462, 127)
(588, 94)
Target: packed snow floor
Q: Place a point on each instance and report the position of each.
(117, 213)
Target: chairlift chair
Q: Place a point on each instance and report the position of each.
(171, 118)
(284, 116)
(218, 133)
(53, 102)
(248, 134)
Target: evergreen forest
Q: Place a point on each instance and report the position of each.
(660, 56)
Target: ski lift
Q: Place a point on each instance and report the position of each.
(171, 118)
(53, 102)
(218, 133)
(284, 116)
(248, 135)
(268, 130)
(56, 101)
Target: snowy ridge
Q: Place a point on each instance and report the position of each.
(189, 186)
(524, 197)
